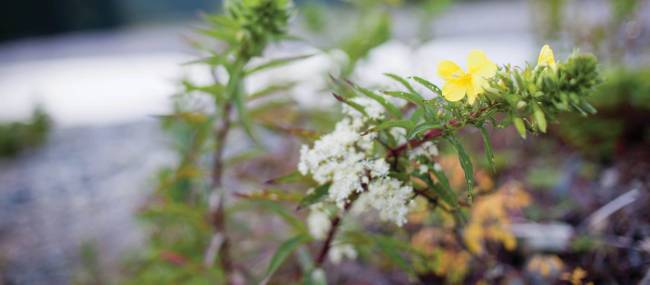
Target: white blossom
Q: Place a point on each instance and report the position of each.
(339, 251)
(318, 222)
(344, 158)
(427, 149)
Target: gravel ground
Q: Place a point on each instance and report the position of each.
(56, 198)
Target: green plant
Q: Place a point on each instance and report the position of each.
(184, 246)
(382, 156)
(18, 136)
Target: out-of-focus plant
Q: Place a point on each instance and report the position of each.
(615, 38)
(190, 242)
(623, 104)
(381, 156)
(18, 136)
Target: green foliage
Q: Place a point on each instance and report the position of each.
(178, 217)
(622, 102)
(15, 137)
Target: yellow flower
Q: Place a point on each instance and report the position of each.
(459, 83)
(546, 57)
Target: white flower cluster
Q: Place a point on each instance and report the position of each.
(344, 159)
(428, 150)
(318, 222)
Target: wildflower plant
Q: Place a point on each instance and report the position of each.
(383, 154)
(190, 238)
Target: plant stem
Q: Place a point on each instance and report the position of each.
(218, 194)
(436, 132)
(327, 244)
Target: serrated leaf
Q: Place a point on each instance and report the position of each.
(443, 189)
(432, 87)
(489, 154)
(284, 250)
(276, 63)
(466, 164)
(316, 196)
(402, 81)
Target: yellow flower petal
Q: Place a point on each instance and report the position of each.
(479, 65)
(472, 93)
(546, 57)
(448, 70)
(453, 91)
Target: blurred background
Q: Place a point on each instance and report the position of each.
(81, 84)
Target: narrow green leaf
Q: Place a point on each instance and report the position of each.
(281, 254)
(422, 127)
(443, 189)
(393, 249)
(489, 154)
(213, 60)
(520, 126)
(244, 116)
(292, 177)
(540, 119)
(411, 97)
(270, 90)
(392, 109)
(402, 81)
(226, 35)
(296, 224)
(222, 20)
(276, 63)
(466, 164)
(404, 124)
(432, 87)
(350, 103)
(314, 197)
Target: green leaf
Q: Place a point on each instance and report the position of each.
(392, 109)
(520, 126)
(489, 154)
(276, 63)
(434, 88)
(393, 249)
(422, 127)
(540, 119)
(221, 20)
(405, 124)
(281, 254)
(292, 177)
(314, 197)
(466, 164)
(215, 89)
(443, 189)
(350, 103)
(270, 90)
(402, 81)
(244, 116)
(226, 35)
(296, 224)
(411, 97)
